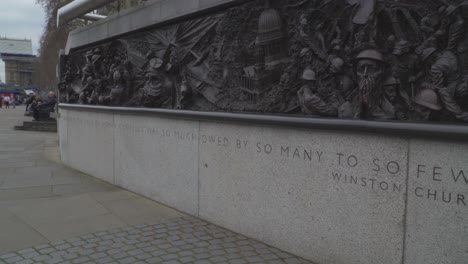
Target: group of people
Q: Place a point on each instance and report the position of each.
(37, 105)
(8, 100)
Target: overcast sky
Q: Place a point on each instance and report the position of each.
(21, 19)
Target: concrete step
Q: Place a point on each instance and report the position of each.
(44, 126)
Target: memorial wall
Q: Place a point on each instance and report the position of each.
(349, 59)
(334, 129)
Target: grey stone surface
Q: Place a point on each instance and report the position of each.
(269, 188)
(15, 234)
(92, 134)
(189, 230)
(157, 158)
(60, 202)
(236, 176)
(437, 218)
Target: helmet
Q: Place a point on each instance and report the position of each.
(429, 99)
(439, 33)
(403, 46)
(442, 10)
(391, 81)
(337, 63)
(304, 51)
(427, 53)
(95, 58)
(156, 63)
(450, 9)
(89, 53)
(308, 75)
(371, 54)
(335, 42)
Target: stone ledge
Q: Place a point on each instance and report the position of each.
(152, 14)
(400, 129)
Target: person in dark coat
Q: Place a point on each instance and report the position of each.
(50, 102)
(36, 107)
(28, 102)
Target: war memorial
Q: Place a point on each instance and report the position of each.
(333, 129)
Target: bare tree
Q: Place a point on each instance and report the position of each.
(53, 39)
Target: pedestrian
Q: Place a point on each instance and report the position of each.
(7, 99)
(13, 101)
(28, 102)
(1, 101)
(36, 107)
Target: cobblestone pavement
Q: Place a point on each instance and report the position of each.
(181, 240)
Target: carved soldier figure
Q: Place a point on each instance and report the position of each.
(405, 66)
(444, 78)
(310, 99)
(65, 84)
(340, 82)
(88, 70)
(98, 89)
(456, 27)
(128, 77)
(86, 91)
(427, 107)
(389, 46)
(116, 94)
(392, 93)
(185, 94)
(370, 102)
(157, 90)
(427, 25)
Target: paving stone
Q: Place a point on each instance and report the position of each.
(143, 256)
(14, 259)
(104, 260)
(31, 255)
(98, 255)
(154, 260)
(127, 260)
(70, 256)
(81, 260)
(25, 251)
(56, 243)
(237, 261)
(58, 254)
(203, 261)
(47, 250)
(186, 259)
(25, 261)
(169, 257)
(177, 241)
(269, 256)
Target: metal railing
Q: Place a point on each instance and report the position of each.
(80, 9)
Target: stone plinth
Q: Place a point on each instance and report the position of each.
(328, 196)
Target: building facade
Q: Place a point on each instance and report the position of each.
(19, 61)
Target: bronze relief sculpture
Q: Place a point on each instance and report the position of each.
(374, 60)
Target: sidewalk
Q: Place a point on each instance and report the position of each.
(52, 214)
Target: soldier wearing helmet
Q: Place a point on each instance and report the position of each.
(405, 66)
(312, 99)
(369, 102)
(427, 107)
(400, 102)
(338, 81)
(445, 78)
